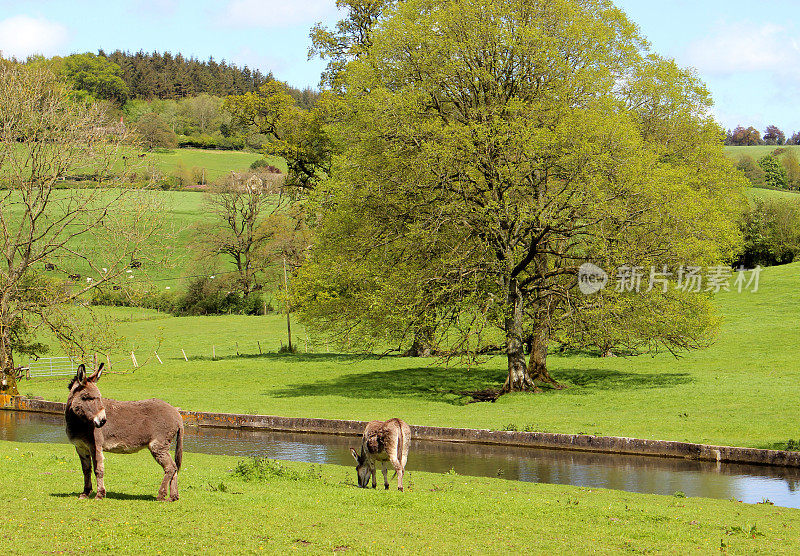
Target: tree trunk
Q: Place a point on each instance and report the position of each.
(8, 382)
(422, 344)
(540, 338)
(518, 378)
(537, 366)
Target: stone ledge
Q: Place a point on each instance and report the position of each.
(580, 442)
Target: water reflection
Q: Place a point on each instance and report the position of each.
(631, 473)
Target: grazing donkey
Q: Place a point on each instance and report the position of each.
(95, 424)
(383, 441)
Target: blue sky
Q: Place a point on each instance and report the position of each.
(747, 52)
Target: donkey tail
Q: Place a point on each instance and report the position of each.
(179, 448)
(400, 444)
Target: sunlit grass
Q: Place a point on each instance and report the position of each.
(320, 510)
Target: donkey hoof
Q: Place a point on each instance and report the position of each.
(100, 495)
(83, 496)
(386, 486)
(173, 498)
(400, 489)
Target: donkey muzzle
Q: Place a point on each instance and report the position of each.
(100, 419)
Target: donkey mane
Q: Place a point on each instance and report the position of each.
(72, 382)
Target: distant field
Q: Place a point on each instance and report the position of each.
(216, 163)
(772, 194)
(759, 151)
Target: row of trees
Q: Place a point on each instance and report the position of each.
(742, 136)
(777, 170)
(120, 76)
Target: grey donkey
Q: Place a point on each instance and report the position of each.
(96, 424)
(382, 441)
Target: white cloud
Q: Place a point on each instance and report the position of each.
(22, 35)
(745, 48)
(277, 13)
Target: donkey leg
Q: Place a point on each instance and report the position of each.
(173, 486)
(86, 465)
(99, 471)
(398, 468)
(161, 455)
(385, 476)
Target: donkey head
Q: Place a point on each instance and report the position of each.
(85, 400)
(364, 467)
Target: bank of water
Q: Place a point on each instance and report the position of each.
(752, 484)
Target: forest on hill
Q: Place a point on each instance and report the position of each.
(174, 100)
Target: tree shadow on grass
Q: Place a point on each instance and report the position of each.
(587, 380)
(109, 495)
(431, 383)
(449, 385)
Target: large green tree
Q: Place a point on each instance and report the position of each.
(491, 148)
(95, 76)
(295, 133)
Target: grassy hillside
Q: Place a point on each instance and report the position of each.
(318, 509)
(741, 391)
(772, 194)
(216, 163)
(759, 151)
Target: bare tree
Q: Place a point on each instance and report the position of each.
(242, 205)
(59, 243)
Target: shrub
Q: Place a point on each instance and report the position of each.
(792, 167)
(206, 296)
(154, 132)
(752, 171)
(262, 469)
(774, 172)
(202, 297)
(265, 166)
(771, 231)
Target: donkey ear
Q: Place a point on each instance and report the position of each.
(81, 376)
(355, 455)
(96, 375)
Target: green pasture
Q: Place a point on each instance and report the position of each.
(741, 391)
(217, 163)
(168, 261)
(318, 509)
(772, 194)
(758, 151)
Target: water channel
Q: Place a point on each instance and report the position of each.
(752, 484)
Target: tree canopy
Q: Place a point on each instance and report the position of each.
(487, 150)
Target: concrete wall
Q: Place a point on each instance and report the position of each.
(582, 442)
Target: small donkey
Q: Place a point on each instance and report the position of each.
(383, 441)
(95, 425)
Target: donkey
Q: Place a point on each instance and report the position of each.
(382, 441)
(95, 424)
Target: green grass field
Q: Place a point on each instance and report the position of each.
(318, 509)
(216, 162)
(758, 151)
(741, 391)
